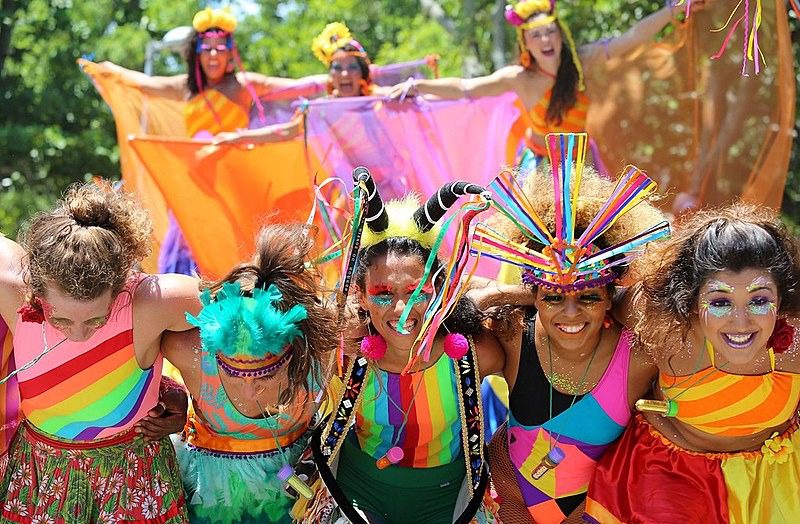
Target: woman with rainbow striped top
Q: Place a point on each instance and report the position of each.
(405, 440)
(87, 329)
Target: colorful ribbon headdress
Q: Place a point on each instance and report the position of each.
(335, 36)
(519, 15)
(568, 261)
(250, 336)
(406, 218)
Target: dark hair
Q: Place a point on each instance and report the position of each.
(733, 238)
(465, 318)
(282, 251)
(191, 63)
(565, 91)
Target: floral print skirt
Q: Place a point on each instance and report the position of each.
(46, 479)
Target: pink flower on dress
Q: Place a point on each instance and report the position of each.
(107, 518)
(42, 519)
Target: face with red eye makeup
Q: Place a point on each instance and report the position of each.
(389, 284)
(737, 313)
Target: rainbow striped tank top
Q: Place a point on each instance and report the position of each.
(428, 399)
(86, 390)
(573, 121)
(9, 391)
(216, 426)
(222, 115)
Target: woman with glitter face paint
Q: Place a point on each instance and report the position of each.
(717, 438)
(549, 77)
(405, 440)
(572, 374)
(87, 328)
(253, 369)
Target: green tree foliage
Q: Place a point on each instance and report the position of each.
(56, 129)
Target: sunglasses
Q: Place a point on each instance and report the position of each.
(352, 67)
(219, 48)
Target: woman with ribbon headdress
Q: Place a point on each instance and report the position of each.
(253, 370)
(405, 440)
(572, 375)
(549, 79)
(717, 439)
(87, 328)
(219, 99)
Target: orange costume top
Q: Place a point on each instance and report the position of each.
(213, 112)
(725, 404)
(573, 120)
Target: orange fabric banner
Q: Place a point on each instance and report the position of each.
(222, 195)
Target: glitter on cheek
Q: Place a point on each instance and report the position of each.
(381, 300)
(422, 298)
(761, 309)
(717, 311)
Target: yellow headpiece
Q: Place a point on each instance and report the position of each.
(219, 18)
(335, 36)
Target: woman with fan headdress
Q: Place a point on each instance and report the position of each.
(405, 440)
(571, 371)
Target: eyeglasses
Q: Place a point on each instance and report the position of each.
(352, 67)
(540, 32)
(219, 48)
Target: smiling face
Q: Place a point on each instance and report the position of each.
(737, 313)
(573, 321)
(345, 73)
(76, 319)
(214, 58)
(388, 285)
(544, 42)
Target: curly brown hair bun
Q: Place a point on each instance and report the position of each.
(90, 242)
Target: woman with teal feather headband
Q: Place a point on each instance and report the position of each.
(253, 368)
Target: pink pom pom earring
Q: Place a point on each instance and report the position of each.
(456, 345)
(373, 346)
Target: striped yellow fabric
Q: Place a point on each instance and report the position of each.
(721, 403)
(573, 121)
(214, 113)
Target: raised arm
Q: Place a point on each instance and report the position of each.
(172, 87)
(642, 32)
(487, 293)
(501, 81)
(276, 88)
(12, 288)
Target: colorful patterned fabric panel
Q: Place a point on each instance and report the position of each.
(574, 121)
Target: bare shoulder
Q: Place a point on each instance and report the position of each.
(165, 299)
(491, 357)
(512, 72)
(12, 286)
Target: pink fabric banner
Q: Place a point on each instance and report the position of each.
(413, 145)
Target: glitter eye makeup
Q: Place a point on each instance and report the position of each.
(761, 306)
(758, 284)
(421, 298)
(716, 286)
(381, 300)
(718, 308)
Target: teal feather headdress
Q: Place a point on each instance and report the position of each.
(250, 336)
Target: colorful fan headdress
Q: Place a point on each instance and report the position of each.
(220, 23)
(334, 37)
(568, 262)
(250, 336)
(520, 16)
